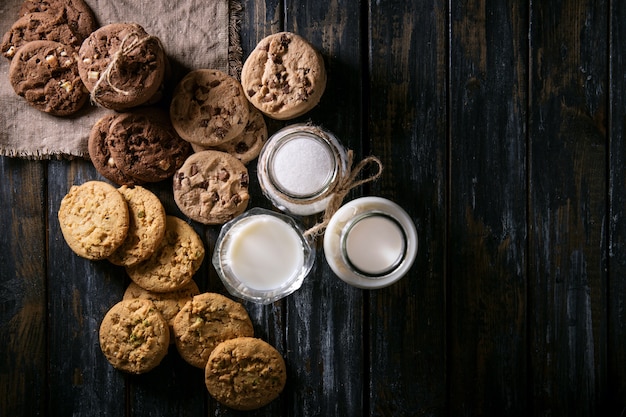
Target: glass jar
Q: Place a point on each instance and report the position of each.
(370, 242)
(299, 168)
(262, 256)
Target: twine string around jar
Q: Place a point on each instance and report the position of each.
(129, 43)
(345, 184)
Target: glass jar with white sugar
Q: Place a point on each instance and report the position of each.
(370, 242)
(299, 168)
(262, 256)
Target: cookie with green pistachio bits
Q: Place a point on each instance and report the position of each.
(134, 337)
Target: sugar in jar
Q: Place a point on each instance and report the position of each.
(370, 242)
(262, 256)
(299, 168)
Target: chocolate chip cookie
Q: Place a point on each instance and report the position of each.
(134, 337)
(146, 226)
(175, 261)
(248, 144)
(94, 219)
(77, 13)
(245, 373)
(121, 65)
(145, 146)
(284, 76)
(204, 322)
(45, 74)
(36, 27)
(211, 187)
(208, 107)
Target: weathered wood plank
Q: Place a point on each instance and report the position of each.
(567, 236)
(406, 118)
(486, 279)
(23, 365)
(616, 353)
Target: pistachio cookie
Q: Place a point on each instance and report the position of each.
(204, 322)
(134, 336)
(121, 65)
(175, 261)
(94, 219)
(245, 373)
(208, 107)
(211, 187)
(146, 226)
(284, 76)
(45, 74)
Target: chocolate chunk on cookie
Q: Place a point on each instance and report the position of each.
(45, 74)
(175, 261)
(204, 322)
(211, 187)
(145, 146)
(146, 226)
(100, 154)
(208, 107)
(77, 13)
(94, 219)
(245, 373)
(134, 337)
(284, 76)
(121, 65)
(37, 27)
(248, 144)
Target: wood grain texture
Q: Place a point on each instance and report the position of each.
(567, 240)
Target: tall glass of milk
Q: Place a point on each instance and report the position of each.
(262, 256)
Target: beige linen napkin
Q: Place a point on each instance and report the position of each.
(195, 34)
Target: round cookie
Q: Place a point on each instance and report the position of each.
(208, 107)
(211, 187)
(94, 219)
(146, 227)
(245, 373)
(134, 336)
(204, 322)
(100, 154)
(77, 13)
(145, 146)
(121, 65)
(45, 74)
(168, 303)
(284, 76)
(173, 264)
(248, 145)
(35, 27)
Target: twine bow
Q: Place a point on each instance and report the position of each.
(345, 184)
(130, 42)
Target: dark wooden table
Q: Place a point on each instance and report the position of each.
(501, 128)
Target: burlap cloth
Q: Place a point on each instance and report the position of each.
(195, 34)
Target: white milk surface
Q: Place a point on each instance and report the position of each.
(264, 252)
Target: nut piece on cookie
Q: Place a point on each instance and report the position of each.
(121, 65)
(211, 187)
(284, 76)
(209, 107)
(134, 336)
(204, 322)
(175, 261)
(245, 373)
(94, 219)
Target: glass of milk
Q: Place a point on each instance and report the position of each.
(370, 242)
(262, 256)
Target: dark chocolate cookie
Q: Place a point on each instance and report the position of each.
(77, 13)
(46, 75)
(36, 27)
(100, 153)
(145, 146)
(121, 65)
